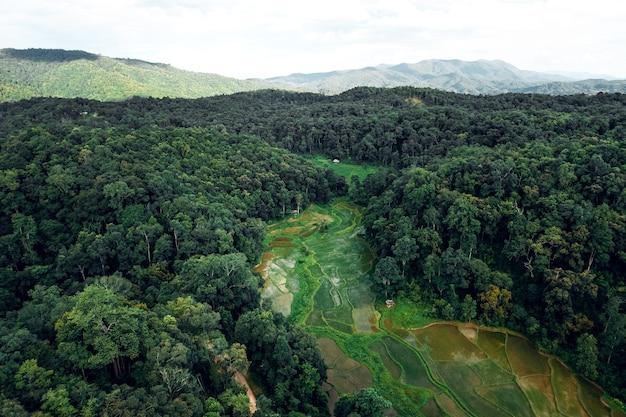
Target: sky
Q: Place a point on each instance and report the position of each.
(265, 38)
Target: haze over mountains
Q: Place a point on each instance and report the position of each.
(475, 77)
(60, 73)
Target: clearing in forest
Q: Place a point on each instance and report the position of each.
(316, 273)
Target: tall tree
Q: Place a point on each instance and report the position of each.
(587, 355)
(101, 330)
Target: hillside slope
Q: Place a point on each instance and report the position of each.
(68, 74)
(475, 77)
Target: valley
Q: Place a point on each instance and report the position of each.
(316, 271)
(130, 230)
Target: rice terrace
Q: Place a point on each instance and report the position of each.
(316, 273)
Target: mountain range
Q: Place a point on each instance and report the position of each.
(26, 73)
(475, 77)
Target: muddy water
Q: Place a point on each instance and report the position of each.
(336, 260)
(339, 261)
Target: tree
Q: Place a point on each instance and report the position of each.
(223, 281)
(496, 304)
(565, 292)
(405, 249)
(11, 407)
(614, 332)
(213, 408)
(258, 331)
(101, 330)
(387, 275)
(587, 355)
(16, 346)
(454, 270)
(462, 218)
(468, 308)
(176, 380)
(237, 403)
(57, 401)
(149, 233)
(368, 402)
(117, 193)
(25, 232)
(46, 306)
(231, 361)
(33, 380)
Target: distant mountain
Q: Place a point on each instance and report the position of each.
(591, 86)
(476, 77)
(26, 73)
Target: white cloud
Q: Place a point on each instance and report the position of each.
(246, 38)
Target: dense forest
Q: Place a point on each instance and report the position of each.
(128, 231)
(126, 280)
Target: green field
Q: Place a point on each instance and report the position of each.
(318, 277)
(343, 168)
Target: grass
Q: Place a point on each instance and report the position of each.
(392, 366)
(308, 285)
(406, 400)
(450, 406)
(407, 314)
(345, 169)
(538, 390)
(414, 371)
(431, 409)
(493, 344)
(566, 390)
(509, 398)
(345, 373)
(364, 319)
(462, 380)
(524, 358)
(444, 342)
(491, 373)
(590, 396)
(423, 367)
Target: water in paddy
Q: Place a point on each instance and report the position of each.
(325, 243)
(318, 264)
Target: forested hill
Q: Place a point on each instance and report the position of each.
(400, 127)
(125, 268)
(60, 73)
(26, 73)
(506, 210)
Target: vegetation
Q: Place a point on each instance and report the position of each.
(422, 366)
(59, 73)
(26, 73)
(474, 77)
(124, 223)
(126, 272)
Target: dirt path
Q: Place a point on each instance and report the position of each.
(242, 380)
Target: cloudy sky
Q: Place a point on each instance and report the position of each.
(264, 38)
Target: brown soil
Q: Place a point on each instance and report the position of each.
(282, 242)
(242, 380)
(333, 396)
(470, 332)
(261, 268)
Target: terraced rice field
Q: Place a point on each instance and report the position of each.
(316, 274)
